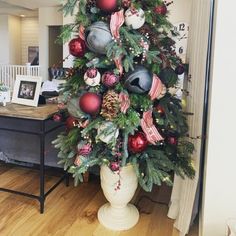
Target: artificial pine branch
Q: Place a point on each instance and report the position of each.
(150, 47)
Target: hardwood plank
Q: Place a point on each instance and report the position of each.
(71, 211)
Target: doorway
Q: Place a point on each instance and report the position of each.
(55, 49)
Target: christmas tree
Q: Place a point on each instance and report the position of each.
(119, 92)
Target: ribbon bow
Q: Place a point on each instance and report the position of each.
(117, 20)
(149, 129)
(124, 102)
(157, 87)
(81, 32)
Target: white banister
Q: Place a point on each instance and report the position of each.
(8, 73)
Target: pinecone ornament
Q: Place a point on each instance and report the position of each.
(110, 105)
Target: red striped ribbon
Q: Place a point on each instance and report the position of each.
(81, 32)
(149, 129)
(124, 102)
(117, 20)
(156, 88)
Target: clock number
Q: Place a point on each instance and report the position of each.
(182, 27)
(181, 50)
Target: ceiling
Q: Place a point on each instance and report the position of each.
(25, 7)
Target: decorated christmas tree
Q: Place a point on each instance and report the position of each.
(120, 93)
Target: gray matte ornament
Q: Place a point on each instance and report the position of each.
(139, 80)
(98, 36)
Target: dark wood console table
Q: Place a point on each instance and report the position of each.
(37, 119)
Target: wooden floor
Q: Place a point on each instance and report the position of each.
(72, 211)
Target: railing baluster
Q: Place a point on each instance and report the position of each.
(8, 73)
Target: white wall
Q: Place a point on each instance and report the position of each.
(29, 36)
(219, 199)
(47, 16)
(14, 29)
(180, 10)
(69, 62)
(4, 40)
(10, 39)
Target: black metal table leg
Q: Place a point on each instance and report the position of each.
(42, 171)
(41, 134)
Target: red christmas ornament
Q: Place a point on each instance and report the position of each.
(57, 117)
(107, 5)
(179, 70)
(90, 103)
(137, 143)
(71, 122)
(161, 10)
(114, 166)
(77, 47)
(160, 110)
(109, 79)
(172, 140)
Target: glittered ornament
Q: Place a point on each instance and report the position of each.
(98, 36)
(109, 79)
(84, 149)
(57, 117)
(77, 47)
(137, 143)
(134, 18)
(160, 10)
(114, 166)
(92, 77)
(138, 80)
(179, 70)
(90, 103)
(172, 140)
(107, 5)
(71, 122)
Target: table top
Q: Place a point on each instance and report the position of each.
(41, 112)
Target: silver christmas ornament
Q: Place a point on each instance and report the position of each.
(98, 36)
(139, 80)
(135, 18)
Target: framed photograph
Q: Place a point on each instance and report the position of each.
(26, 90)
(33, 55)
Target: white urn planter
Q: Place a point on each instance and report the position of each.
(118, 214)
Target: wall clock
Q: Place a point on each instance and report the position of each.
(182, 29)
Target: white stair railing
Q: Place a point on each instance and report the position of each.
(8, 73)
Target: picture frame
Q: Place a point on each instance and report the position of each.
(33, 55)
(26, 90)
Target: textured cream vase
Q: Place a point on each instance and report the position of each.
(118, 214)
